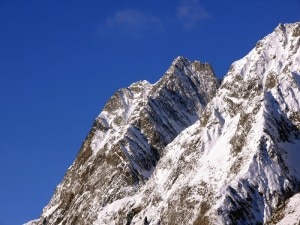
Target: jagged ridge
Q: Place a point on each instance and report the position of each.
(239, 162)
(127, 140)
(159, 154)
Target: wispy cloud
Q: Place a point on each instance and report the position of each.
(138, 23)
(191, 12)
(133, 22)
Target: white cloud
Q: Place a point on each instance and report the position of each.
(133, 22)
(191, 12)
(137, 23)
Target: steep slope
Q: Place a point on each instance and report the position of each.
(240, 162)
(287, 213)
(177, 153)
(127, 140)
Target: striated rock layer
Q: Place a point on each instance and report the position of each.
(183, 151)
(127, 140)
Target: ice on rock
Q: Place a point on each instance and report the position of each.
(186, 151)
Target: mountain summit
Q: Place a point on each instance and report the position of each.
(187, 150)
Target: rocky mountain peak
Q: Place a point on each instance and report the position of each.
(286, 29)
(190, 78)
(127, 140)
(186, 151)
(182, 64)
(179, 60)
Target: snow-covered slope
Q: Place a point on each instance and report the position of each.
(177, 153)
(288, 213)
(127, 140)
(239, 162)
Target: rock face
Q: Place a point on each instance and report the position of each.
(183, 151)
(127, 140)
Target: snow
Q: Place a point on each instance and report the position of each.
(50, 211)
(291, 214)
(32, 222)
(105, 213)
(99, 140)
(201, 164)
(211, 159)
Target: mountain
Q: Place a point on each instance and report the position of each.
(187, 150)
(127, 140)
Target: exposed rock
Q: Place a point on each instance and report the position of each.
(182, 151)
(127, 140)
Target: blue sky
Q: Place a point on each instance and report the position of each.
(60, 61)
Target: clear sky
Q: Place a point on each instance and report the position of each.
(60, 61)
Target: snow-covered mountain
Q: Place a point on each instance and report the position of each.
(186, 151)
(128, 139)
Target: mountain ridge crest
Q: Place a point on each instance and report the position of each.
(189, 150)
